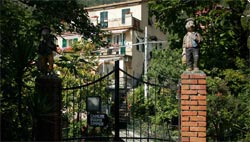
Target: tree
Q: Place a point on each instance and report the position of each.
(17, 52)
(64, 15)
(224, 57)
(222, 22)
(21, 21)
(228, 115)
(163, 66)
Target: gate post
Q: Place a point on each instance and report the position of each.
(193, 107)
(47, 122)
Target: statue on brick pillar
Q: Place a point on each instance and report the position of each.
(191, 46)
(47, 126)
(45, 51)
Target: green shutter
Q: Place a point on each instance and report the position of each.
(64, 43)
(104, 16)
(124, 39)
(123, 50)
(109, 38)
(124, 12)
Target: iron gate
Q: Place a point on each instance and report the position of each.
(130, 115)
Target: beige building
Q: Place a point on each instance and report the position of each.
(125, 23)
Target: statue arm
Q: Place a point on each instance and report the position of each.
(184, 46)
(198, 38)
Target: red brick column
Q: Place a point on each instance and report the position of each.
(47, 126)
(193, 107)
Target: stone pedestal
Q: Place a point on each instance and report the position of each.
(47, 124)
(193, 107)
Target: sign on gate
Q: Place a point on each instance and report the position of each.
(93, 104)
(97, 120)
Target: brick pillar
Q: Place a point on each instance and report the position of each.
(47, 126)
(193, 107)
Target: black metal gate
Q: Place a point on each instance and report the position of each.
(126, 113)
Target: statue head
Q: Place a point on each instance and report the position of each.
(45, 31)
(190, 25)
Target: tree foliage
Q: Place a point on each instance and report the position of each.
(166, 72)
(21, 21)
(224, 57)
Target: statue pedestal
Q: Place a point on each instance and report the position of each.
(193, 107)
(47, 124)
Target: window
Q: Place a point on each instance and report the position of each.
(64, 43)
(116, 39)
(104, 19)
(75, 39)
(123, 50)
(109, 39)
(137, 46)
(160, 46)
(72, 41)
(143, 48)
(140, 46)
(123, 39)
(150, 21)
(124, 12)
(119, 39)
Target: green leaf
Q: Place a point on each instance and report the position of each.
(65, 58)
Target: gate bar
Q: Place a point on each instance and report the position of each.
(117, 97)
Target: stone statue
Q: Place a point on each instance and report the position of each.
(45, 51)
(191, 46)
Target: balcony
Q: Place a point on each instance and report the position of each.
(114, 51)
(113, 23)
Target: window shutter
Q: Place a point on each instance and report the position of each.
(124, 12)
(64, 43)
(109, 38)
(123, 50)
(124, 39)
(103, 17)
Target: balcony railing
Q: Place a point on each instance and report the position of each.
(114, 51)
(130, 21)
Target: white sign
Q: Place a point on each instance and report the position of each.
(98, 120)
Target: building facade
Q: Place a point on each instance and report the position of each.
(125, 23)
(124, 26)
